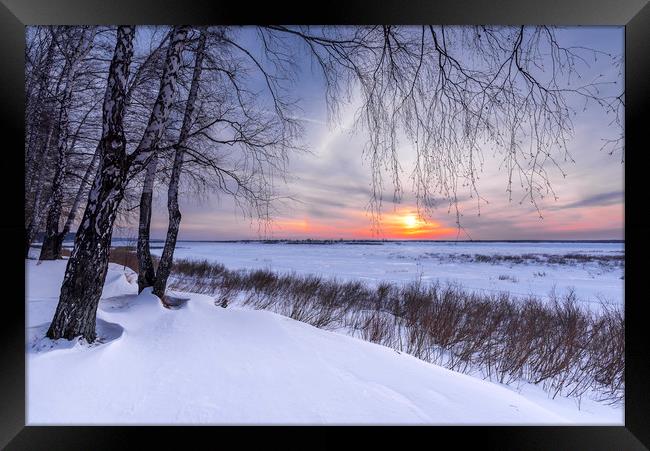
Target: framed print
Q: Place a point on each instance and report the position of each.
(360, 216)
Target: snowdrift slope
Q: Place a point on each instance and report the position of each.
(203, 364)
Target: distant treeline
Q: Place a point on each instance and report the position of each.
(377, 241)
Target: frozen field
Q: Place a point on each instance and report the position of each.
(594, 270)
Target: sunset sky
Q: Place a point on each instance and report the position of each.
(331, 184)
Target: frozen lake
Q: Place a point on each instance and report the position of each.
(594, 270)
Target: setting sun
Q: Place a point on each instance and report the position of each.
(410, 221)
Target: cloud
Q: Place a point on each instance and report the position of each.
(597, 200)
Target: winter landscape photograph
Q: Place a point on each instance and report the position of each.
(324, 225)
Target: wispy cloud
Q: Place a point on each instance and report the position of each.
(596, 200)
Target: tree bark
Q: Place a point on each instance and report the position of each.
(146, 272)
(145, 154)
(166, 260)
(86, 270)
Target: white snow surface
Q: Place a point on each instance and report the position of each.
(430, 261)
(203, 364)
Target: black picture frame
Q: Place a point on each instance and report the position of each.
(633, 14)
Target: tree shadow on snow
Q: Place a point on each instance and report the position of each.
(38, 343)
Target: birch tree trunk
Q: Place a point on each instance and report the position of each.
(51, 248)
(166, 260)
(36, 212)
(38, 127)
(146, 272)
(72, 214)
(145, 153)
(86, 270)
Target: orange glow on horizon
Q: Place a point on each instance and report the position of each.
(403, 224)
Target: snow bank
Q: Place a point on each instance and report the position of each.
(203, 364)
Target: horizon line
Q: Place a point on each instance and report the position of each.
(343, 240)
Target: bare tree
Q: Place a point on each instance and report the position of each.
(65, 109)
(86, 269)
(80, 292)
(145, 154)
(165, 264)
(39, 125)
(232, 140)
(80, 46)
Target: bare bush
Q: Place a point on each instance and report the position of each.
(606, 260)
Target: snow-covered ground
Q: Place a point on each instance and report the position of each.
(431, 261)
(203, 364)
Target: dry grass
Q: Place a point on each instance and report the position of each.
(121, 255)
(124, 256)
(606, 260)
